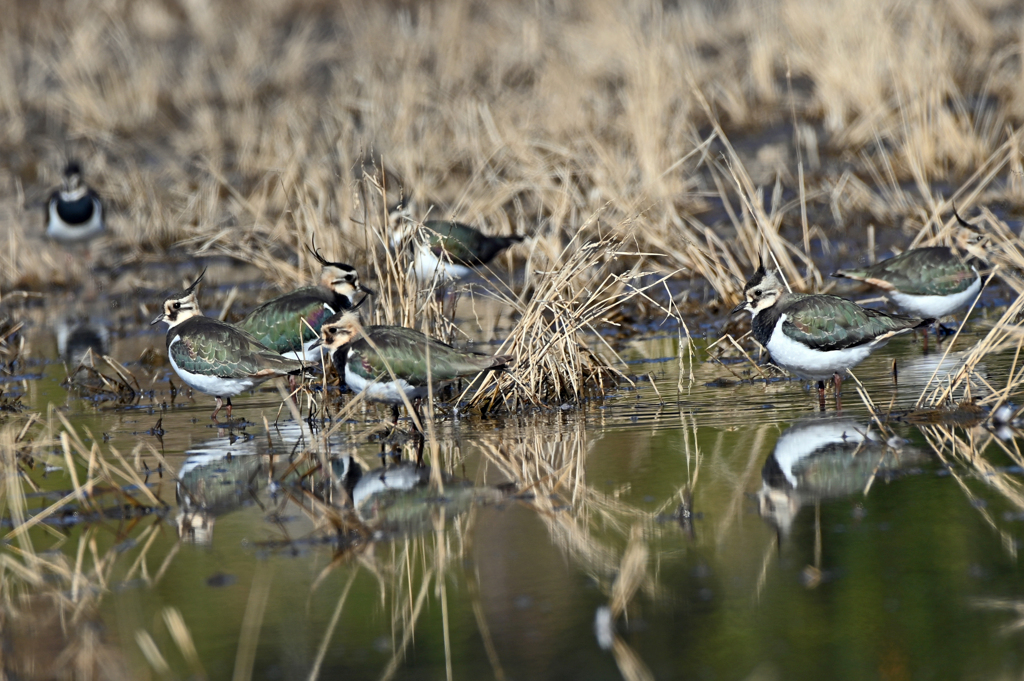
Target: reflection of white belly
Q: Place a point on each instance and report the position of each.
(402, 478)
(814, 364)
(211, 385)
(800, 442)
(381, 391)
(936, 306)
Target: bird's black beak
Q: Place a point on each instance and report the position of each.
(742, 307)
(159, 318)
(367, 290)
(317, 343)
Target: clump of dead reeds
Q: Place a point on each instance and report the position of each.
(571, 297)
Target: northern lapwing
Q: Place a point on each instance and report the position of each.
(445, 249)
(215, 357)
(929, 282)
(388, 362)
(290, 324)
(74, 213)
(816, 337)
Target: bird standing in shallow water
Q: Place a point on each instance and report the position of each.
(444, 248)
(290, 324)
(816, 336)
(929, 282)
(215, 357)
(388, 362)
(74, 213)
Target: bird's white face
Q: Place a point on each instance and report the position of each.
(778, 507)
(72, 188)
(177, 310)
(761, 292)
(400, 215)
(971, 241)
(401, 233)
(342, 281)
(339, 330)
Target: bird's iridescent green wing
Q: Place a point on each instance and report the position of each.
(831, 323)
(278, 324)
(405, 351)
(461, 242)
(206, 346)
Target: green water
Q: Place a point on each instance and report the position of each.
(839, 578)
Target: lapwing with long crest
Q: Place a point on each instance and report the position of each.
(215, 357)
(816, 336)
(388, 362)
(929, 282)
(74, 213)
(290, 324)
(443, 248)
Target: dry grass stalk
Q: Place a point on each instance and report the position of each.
(632, 571)
(252, 621)
(1004, 335)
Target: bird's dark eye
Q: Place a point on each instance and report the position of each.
(756, 293)
(177, 306)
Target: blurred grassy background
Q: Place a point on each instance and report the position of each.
(242, 128)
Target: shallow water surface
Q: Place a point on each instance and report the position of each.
(713, 528)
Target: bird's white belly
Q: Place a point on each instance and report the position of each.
(383, 391)
(61, 231)
(427, 264)
(817, 365)
(936, 306)
(308, 354)
(211, 385)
